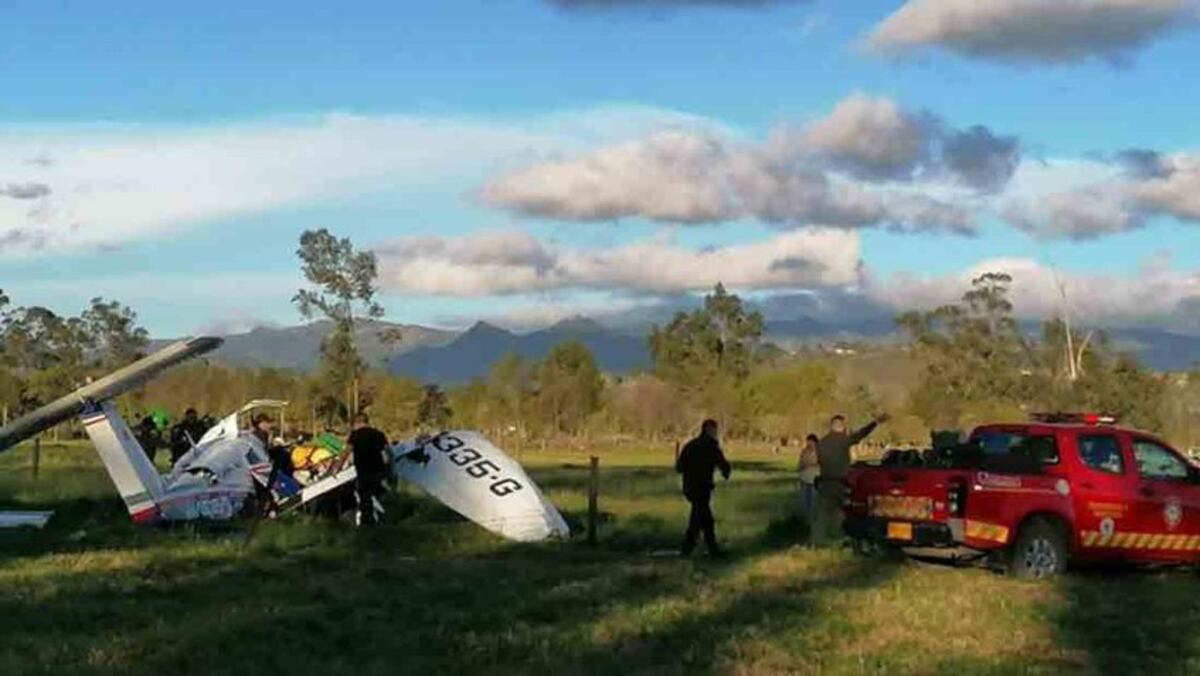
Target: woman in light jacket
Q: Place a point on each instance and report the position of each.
(810, 469)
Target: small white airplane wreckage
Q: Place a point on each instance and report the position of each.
(227, 474)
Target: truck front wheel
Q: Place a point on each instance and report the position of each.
(1039, 553)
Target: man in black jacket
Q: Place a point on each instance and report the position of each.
(696, 463)
(371, 460)
(186, 434)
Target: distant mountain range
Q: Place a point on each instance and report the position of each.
(450, 357)
(471, 354)
(299, 347)
(1160, 350)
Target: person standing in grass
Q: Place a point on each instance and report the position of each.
(369, 447)
(696, 462)
(833, 456)
(186, 434)
(809, 468)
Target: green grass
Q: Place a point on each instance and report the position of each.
(430, 594)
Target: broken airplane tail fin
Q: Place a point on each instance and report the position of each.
(134, 475)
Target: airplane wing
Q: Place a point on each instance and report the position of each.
(474, 478)
(340, 475)
(112, 385)
(24, 519)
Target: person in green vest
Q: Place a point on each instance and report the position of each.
(833, 456)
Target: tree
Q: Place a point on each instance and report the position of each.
(393, 402)
(569, 386)
(114, 334)
(709, 352)
(717, 339)
(49, 351)
(974, 352)
(434, 411)
(791, 400)
(509, 387)
(344, 291)
(647, 406)
(980, 366)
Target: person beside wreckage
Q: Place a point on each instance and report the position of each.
(262, 426)
(186, 433)
(370, 449)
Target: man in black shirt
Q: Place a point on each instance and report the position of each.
(149, 436)
(696, 463)
(185, 434)
(369, 447)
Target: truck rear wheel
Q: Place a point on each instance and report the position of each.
(1039, 553)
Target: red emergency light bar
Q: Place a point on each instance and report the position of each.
(1076, 418)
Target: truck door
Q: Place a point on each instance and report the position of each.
(1104, 516)
(1167, 503)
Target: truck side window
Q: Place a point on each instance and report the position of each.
(1015, 452)
(1101, 453)
(1156, 462)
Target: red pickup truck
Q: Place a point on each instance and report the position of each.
(1033, 496)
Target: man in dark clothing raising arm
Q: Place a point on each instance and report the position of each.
(696, 463)
(833, 455)
(369, 446)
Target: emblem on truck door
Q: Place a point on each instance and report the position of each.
(1172, 513)
(1107, 526)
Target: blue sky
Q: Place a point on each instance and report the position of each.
(184, 147)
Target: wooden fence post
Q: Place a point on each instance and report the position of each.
(593, 495)
(37, 455)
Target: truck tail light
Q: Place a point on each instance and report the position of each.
(956, 497)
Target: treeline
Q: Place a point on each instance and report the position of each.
(44, 355)
(961, 364)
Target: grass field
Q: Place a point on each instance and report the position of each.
(428, 593)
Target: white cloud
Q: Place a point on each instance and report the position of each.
(24, 191)
(682, 177)
(825, 174)
(1175, 190)
(557, 280)
(173, 304)
(1083, 213)
(1045, 31)
(512, 262)
(871, 135)
(677, 176)
(1155, 291)
(1113, 200)
(102, 185)
(873, 138)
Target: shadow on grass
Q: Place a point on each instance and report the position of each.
(1132, 621)
(355, 609)
(707, 640)
(426, 593)
(359, 609)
